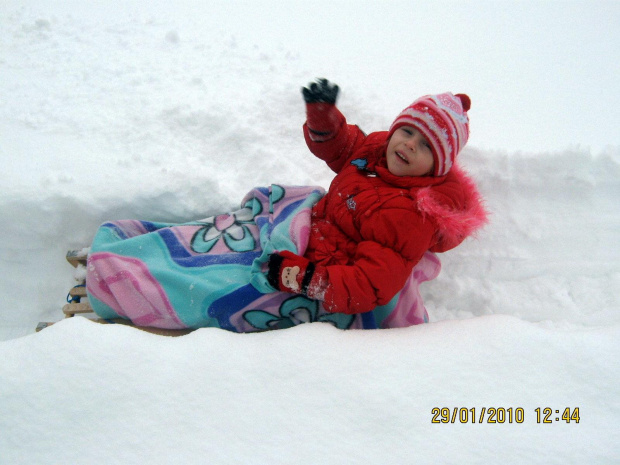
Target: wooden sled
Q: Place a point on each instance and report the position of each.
(76, 306)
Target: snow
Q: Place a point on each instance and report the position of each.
(311, 394)
(173, 112)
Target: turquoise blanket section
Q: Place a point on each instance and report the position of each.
(212, 272)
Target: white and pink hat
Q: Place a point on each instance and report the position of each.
(443, 120)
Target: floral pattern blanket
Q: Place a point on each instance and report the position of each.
(212, 272)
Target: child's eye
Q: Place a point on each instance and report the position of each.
(408, 131)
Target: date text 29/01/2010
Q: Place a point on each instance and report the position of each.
(491, 415)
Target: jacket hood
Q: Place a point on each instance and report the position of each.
(454, 220)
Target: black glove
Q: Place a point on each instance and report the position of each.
(321, 91)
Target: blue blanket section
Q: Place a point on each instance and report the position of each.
(240, 298)
(180, 255)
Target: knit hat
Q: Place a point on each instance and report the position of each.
(443, 120)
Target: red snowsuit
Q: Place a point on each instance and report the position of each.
(372, 227)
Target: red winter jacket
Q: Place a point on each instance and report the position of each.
(372, 227)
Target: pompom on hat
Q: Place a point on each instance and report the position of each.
(443, 120)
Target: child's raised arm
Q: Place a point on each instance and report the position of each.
(326, 131)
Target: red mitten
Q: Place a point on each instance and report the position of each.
(322, 118)
(290, 272)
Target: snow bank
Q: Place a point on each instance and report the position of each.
(312, 394)
(549, 254)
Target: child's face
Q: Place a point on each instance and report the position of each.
(409, 153)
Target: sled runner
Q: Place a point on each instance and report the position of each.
(74, 305)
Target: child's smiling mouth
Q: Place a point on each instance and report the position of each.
(401, 156)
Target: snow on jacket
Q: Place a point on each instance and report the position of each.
(372, 227)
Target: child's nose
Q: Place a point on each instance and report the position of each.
(412, 142)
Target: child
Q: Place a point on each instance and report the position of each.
(396, 195)
(352, 257)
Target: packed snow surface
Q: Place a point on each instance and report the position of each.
(172, 112)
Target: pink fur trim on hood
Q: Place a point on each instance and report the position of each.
(453, 224)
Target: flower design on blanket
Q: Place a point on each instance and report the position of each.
(233, 229)
(295, 311)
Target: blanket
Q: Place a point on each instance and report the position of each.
(212, 272)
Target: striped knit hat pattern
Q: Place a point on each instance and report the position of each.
(443, 120)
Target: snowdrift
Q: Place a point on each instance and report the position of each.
(79, 392)
(549, 253)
